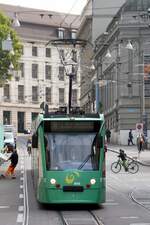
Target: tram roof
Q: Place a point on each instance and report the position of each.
(66, 117)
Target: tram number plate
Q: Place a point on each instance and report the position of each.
(73, 188)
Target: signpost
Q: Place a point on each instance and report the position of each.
(139, 127)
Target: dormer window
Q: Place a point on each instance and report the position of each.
(73, 34)
(61, 32)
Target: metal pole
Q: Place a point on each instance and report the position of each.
(70, 91)
(97, 94)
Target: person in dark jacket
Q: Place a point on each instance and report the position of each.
(130, 138)
(13, 163)
(108, 135)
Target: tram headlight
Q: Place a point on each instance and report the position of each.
(92, 181)
(52, 181)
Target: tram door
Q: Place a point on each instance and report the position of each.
(21, 122)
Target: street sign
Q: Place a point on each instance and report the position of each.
(139, 127)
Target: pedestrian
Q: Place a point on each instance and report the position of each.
(130, 138)
(108, 135)
(29, 144)
(140, 142)
(13, 163)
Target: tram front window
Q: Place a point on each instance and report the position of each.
(72, 151)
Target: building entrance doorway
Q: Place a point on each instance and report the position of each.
(21, 122)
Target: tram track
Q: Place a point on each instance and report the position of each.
(131, 196)
(81, 217)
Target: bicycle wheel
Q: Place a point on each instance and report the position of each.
(133, 167)
(115, 167)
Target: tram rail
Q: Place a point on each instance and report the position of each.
(81, 217)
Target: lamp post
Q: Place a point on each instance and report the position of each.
(71, 71)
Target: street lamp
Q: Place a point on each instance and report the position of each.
(71, 71)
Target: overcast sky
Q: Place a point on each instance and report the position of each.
(66, 6)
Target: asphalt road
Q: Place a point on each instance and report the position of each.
(18, 204)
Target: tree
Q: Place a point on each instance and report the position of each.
(8, 58)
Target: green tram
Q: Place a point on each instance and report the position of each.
(68, 158)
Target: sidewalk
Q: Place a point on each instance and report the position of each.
(131, 151)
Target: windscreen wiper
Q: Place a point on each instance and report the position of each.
(85, 161)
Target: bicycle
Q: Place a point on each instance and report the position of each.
(131, 166)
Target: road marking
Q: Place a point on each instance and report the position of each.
(21, 208)
(4, 207)
(145, 203)
(139, 223)
(129, 217)
(21, 178)
(110, 200)
(22, 167)
(21, 196)
(20, 218)
(111, 203)
(22, 171)
(21, 186)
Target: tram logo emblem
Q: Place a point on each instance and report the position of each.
(71, 177)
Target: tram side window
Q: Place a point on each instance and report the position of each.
(96, 152)
(47, 152)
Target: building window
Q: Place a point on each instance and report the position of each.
(6, 92)
(6, 117)
(48, 52)
(34, 115)
(62, 54)
(20, 92)
(61, 73)
(74, 55)
(48, 70)
(34, 51)
(147, 75)
(34, 70)
(22, 69)
(48, 94)
(73, 34)
(34, 93)
(74, 97)
(61, 32)
(61, 95)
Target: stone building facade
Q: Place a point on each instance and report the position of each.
(123, 58)
(42, 76)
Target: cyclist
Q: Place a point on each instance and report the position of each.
(122, 155)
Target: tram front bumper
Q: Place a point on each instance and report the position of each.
(58, 196)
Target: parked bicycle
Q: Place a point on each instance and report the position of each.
(129, 165)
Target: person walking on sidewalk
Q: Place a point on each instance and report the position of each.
(130, 138)
(14, 161)
(140, 142)
(108, 135)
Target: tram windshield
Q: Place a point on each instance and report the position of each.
(72, 151)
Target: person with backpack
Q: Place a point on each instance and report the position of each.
(122, 155)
